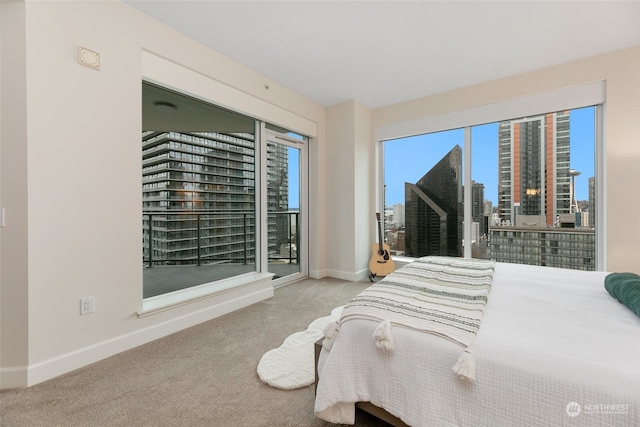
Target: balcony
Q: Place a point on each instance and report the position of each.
(174, 264)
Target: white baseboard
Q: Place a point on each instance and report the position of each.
(350, 276)
(318, 274)
(26, 376)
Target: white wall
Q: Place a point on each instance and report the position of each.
(349, 198)
(621, 72)
(13, 190)
(71, 159)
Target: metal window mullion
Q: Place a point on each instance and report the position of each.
(601, 185)
(467, 196)
(261, 199)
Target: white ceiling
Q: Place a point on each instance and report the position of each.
(384, 52)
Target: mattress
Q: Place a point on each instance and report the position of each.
(553, 348)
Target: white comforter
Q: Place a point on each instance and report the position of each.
(554, 348)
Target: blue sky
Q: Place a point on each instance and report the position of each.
(294, 177)
(408, 159)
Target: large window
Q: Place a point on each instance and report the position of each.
(423, 192)
(528, 183)
(198, 190)
(202, 200)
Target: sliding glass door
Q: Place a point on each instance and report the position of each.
(286, 206)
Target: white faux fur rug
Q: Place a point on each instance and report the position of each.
(292, 365)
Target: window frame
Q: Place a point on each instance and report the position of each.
(579, 96)
(186, 81)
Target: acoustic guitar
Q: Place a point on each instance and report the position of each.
(381, 263)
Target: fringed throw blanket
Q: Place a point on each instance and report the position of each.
(444, 296)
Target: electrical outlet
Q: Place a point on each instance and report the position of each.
(87, 305)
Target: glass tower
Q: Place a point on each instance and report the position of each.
(433, 209)
(533, 162)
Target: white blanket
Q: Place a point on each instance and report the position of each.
(444, 296)
(554, 348)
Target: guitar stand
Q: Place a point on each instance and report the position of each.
(372, 276)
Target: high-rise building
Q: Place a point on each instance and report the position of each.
(477, 207)
(398, 214)
(533, 162)
(279, 226)
(198, 194)
(573, 248)
(433, 209)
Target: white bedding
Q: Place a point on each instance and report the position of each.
(554, 348)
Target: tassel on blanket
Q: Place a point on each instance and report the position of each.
(330, 331)
(382, 334)
(466, 366)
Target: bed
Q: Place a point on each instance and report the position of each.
(553, 348)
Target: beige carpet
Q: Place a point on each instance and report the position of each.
(202, 376)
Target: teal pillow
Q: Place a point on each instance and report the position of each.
(625, 287)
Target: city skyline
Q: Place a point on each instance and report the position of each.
(410, 158)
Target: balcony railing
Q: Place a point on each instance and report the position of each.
(188, 237)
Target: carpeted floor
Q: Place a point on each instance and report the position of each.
(202, 376)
